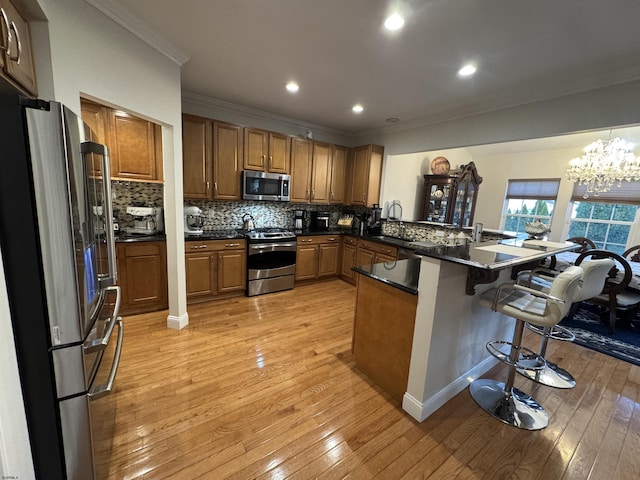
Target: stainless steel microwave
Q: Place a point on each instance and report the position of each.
(265, 186)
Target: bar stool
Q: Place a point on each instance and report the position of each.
(595, 273)
(501, 399)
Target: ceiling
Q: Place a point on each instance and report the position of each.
(245, 51)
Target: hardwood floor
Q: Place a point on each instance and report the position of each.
(265, 387)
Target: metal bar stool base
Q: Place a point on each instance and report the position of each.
(517, 408)
(551, 375)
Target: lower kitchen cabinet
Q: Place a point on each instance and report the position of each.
(215, 269)
(349, 245)
(317, 257)
(369, 252)
(142, 276)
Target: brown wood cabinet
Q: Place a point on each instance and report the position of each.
(135, 148)
(135, 145)
(365, 175)
(266, 151)
(215, 269)
(211, 159)
(317, 257)
(142, 276)
(311, 172)
(369, 252)
(349, 246)
(16, 61)
(338, 174)
(95, 117)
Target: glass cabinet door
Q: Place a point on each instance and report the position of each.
(437, 198)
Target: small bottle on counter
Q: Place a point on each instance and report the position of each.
(461, 239)
(451, 240)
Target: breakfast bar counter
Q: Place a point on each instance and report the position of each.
(450, 327)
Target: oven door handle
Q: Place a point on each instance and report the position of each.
(98, 391)
(272, 247)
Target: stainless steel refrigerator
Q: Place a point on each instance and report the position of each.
(60, 269)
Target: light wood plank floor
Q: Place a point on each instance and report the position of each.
(266, 388)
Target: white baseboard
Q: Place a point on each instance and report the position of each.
(421, 410)
(178, 323)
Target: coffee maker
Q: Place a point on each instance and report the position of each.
(298, 220)
(146, 220)
(375, 220)
(193, 221)
(320, 220)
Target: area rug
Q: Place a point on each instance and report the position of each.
(624, 344)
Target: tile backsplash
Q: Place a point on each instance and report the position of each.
(125, 194)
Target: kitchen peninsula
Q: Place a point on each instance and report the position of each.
(450, 327)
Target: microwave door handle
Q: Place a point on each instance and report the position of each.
(98, 391)
(103, 151)
(101, 343)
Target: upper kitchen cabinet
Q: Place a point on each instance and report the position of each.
(266, 151)
(365, 175)
(135, 145)
(16, 57)
(338, 174)
(212, 159)
(451, 198)
(310, 171)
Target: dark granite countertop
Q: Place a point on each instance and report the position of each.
(497, 254)
(127, 238)
(402, 274)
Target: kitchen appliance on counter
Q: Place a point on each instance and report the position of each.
(265, 186)
(320, 220)
(375, 220)
(64, 306)
(271, 260)
(146, 221)
(248, 222)
(193, 221)
(298, 219)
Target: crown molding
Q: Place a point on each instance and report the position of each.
(203, 100)
(132, 23)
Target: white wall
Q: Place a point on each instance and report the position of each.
(93, 56)
(15, 455)
(81, 51)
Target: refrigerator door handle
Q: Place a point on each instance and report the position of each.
(102, 150)
(101, 343)
(98, 391)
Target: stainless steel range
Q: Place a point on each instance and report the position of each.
(271, 260)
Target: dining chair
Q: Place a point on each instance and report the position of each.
(632, 254)
(615, 296)
(585, 243)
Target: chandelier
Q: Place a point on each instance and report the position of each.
(603, 164)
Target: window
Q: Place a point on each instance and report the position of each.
(528, 200)
(606, 220)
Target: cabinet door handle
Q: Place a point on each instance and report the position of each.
(17, 57)
(332, 239)
(7, 39)
(264, 159)
(313, 194)
(207, 185)
(270, 162)
(231, 244)
(307, 240)
(309, 193)
(195, 247)
(215, 188)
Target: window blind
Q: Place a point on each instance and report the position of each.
(627, 192)
(535, 189)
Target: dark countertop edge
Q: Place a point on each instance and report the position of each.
(388, 281)
(456, 254)
(140, 238)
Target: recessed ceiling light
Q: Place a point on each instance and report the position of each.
(357, 108)
(293, 87)
(467, 70)
(394, 22)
